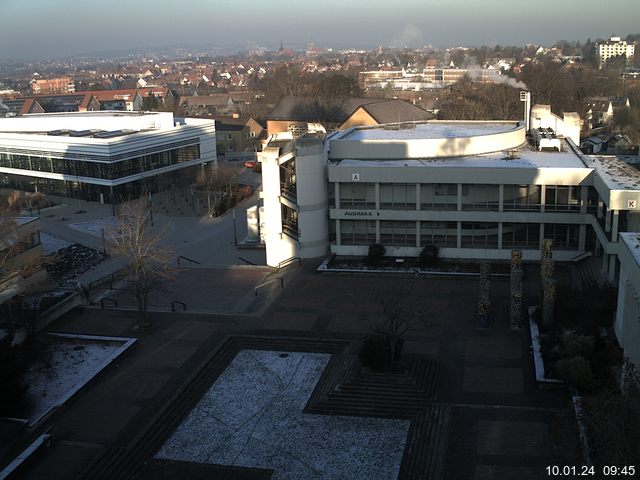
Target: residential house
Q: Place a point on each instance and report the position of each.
(293, 114)
(20, 106)
(235, 136)
(70, 102)
(52, 86)
(127, 100)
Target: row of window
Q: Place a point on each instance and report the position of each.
(403, 196)
(107, 171)
(445, 234)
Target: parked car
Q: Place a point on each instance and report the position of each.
(250, 163)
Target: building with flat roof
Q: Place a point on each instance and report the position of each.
(103, 156)
(615, 47)
(477, 190)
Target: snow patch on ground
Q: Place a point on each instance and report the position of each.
(51, 244)
(66, 367)
(95, 227)
(252, 417)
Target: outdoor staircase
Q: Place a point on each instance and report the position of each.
(426, 445)
(370, 394)
(586, 273)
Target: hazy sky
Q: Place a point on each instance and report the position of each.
(58, 28)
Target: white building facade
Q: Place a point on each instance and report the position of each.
(103, 156)
(615, 47)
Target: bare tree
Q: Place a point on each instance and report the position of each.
(399, 314)
(151, 264)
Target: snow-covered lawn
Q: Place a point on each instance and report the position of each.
(51, 244)
(66, 365)
(252, 417)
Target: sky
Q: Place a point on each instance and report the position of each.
(35, 29)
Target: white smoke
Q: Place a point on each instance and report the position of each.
(411, 36)
(475, 73)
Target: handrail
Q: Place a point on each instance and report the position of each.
(267, 283)
(582, 256)
(187, 259)
(110, 276)
(103, 299)
(246, 261)
(287, 262)
(173, 305)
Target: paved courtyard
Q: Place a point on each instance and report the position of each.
(497, 424)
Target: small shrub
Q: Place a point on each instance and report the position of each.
(576, 371)
(429, 256)
(376, 254)
(577, 345)
(375, 352)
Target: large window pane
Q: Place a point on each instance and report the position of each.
(357, 232)
(439, 196)
(520, 235)
(479, 235)
(398, 196)
(481, 197)
(399, 233)
(441, 234)
(357, 195)
(565, 237)
(521, 197)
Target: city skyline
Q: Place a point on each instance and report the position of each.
(37, 29)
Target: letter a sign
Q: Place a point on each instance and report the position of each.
(355, 177)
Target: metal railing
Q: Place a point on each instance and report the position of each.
(255, 290)
(582, 256)
(287, 262)
(190, 260)
(176, 302)
(246, 261)
(113, 301)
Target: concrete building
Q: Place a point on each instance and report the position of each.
(50, 86)
(238, 137)
(614, 47)
(626, 325)
(103, 156)
(475, 189)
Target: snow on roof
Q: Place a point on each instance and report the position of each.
(527, 159)
(616, 174)
(429, 130)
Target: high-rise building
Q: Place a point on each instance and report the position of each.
(614, 47)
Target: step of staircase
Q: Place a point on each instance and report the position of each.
(424, 453)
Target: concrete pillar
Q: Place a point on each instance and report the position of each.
(582, 237)
(338, 231)
(612, 268)
(541, 237)
(417, 234)
(543, 197)
(418, 202)
(584, 198)
(377, 196)
(459, 200)
(336, 192)
(615, 220)
(605, 261)
(377, 231)
(459, 235)
(500, 204)
(500, 231)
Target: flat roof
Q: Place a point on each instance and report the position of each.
(428, 130)
(97, 113)
(615, 172)
(526, 159)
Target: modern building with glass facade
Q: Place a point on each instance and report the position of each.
(477, 190)
(103, 156)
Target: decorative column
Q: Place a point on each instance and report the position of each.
(549, 284)
(484, 297)
(515, 317)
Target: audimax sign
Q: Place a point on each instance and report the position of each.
(360, 213)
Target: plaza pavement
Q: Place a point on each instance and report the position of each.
(500, 427)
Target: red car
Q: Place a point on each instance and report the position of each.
(250, 163)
